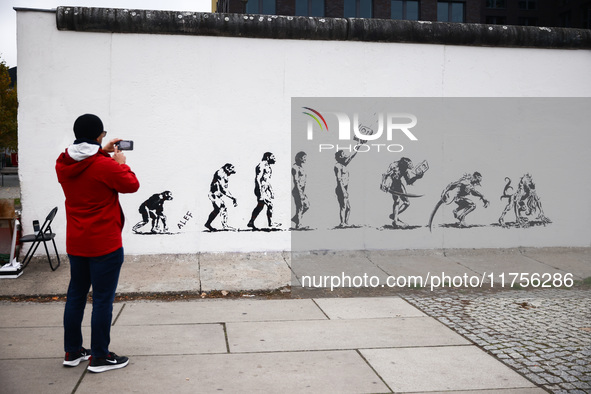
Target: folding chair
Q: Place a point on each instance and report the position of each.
(43, 234)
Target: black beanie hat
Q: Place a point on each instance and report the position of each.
(88, 127)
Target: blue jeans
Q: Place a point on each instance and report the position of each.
(103, 274)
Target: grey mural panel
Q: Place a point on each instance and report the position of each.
(425, 173)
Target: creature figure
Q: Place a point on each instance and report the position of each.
(217, 190)
(401, 173)
(153, 208)
(299, 176)
(524, 202)
(263, 190)
(464, 187)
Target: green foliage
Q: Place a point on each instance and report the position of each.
(8, 110)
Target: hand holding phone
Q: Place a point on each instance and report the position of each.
(124, 145)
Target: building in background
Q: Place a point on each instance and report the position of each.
(552, 13)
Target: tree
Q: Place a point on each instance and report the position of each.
(8, 110)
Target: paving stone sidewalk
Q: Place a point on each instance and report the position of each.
(329, 345)
(543, 334)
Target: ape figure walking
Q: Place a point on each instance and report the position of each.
(217, 190)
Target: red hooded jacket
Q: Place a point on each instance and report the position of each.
(92, 183)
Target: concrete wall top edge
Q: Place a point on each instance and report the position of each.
(112, 20)
(24, 9)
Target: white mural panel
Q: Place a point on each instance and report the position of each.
(193, 104)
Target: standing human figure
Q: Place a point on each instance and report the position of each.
(342, 190)
(263, 190)
(217, 190)
(91, 180)
(299, 177)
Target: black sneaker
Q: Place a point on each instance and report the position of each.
(112, 361)
(73, 359)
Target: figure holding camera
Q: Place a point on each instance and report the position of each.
(400, 174)
(92, 179)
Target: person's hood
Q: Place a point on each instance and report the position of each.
(82, 151)
(76, 159)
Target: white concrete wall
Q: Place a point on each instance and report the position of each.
(193, 103)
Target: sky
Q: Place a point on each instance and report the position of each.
(8, 51)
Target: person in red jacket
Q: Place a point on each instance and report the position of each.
(91, 180)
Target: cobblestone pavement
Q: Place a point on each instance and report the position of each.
(543, 334)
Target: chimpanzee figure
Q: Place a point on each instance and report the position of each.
(153, 208)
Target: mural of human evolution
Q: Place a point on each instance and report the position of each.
(463, 189)
(264, 191)
(153, 208)
(401, 173)
(299, 176)
(523, 202)
(217, 191)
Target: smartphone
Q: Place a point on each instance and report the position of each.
(422, 168)
(124, 145)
